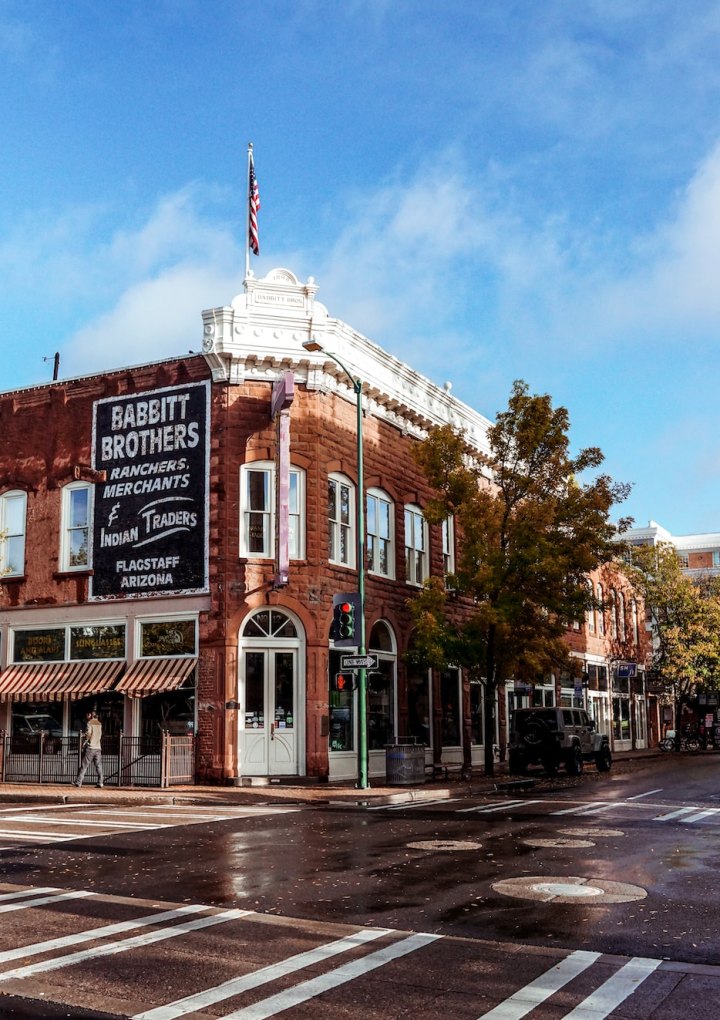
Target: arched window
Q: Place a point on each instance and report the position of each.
(591, 612)
(621, 616)
(381, 688)
(269, 623)
(600, 611)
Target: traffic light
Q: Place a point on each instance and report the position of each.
(346, 617)
(342, 682)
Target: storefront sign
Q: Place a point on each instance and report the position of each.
(150, 514)
(39, 645)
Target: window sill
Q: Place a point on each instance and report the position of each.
(13, 579)
(63, 575)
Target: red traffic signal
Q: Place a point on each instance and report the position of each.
(346, 616)
(343, 682)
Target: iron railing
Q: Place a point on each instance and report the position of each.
(163, 760)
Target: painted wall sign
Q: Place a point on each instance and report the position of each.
(150, 515)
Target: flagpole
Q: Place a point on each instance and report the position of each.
(247, 212)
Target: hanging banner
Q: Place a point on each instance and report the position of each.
(150, 515)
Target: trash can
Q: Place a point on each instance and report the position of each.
(404, 764)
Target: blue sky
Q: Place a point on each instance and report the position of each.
(493, 190)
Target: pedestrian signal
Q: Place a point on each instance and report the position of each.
(343, 682)
(346, 616)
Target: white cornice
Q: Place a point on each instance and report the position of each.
(261, 334)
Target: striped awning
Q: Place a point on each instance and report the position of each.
(148, 676)
(53, 681)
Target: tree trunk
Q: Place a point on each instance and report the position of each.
(489, 703)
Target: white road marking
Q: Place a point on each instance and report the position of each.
(413, 804)
(138, 941)
(527, 998)
(639, 796)
(6, 908)
(492, 808)
(29, 892)
(588, 809)
(674, 814)
(707, 813)
(235, 986)
(93, 934)
(79, 822)
(324, 982)
(614, 991)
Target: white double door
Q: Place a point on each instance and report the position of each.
(269, 728)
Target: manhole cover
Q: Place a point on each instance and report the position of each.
(569, 889)
(445, 844)
(567, 844)
(592, 832)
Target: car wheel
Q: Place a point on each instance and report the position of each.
(574, 761)
(517, 764)
(603, 759)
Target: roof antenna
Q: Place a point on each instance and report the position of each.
(56, 364)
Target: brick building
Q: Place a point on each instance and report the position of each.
(174, 535)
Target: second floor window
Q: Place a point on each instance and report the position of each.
(415, 546)
(13, 507)
(448, 544)
(77, 505)
(341, 521)
(257, 488)
(379, 534)
(601, 611)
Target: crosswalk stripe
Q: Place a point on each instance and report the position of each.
(90, 822)
(39, 901)
(551, 981)
(707, 813)
(235, 986)
(674, 814)
(493, 808)
(94, 934)
(615, 990)
(415, 804)
(584, 809)
(18, 894)
(138, 941)
(324, 982)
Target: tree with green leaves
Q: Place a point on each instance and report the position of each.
(685, 615)
(528, 537)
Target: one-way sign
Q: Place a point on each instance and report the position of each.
(358, 661)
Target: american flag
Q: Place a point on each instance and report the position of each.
(254, 194)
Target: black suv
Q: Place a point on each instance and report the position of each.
(552, 737)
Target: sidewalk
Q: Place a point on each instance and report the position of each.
(302, 792)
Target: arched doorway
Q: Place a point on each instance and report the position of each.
(271, 694)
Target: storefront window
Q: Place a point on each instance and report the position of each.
(450, 694)
(97, 642)
(621, 718)
(170, 712)
(419, 707)
(340, 710)
(167, 637)
(476, 712)
(47, 645)
(381, 689)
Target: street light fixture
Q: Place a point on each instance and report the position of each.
(362, 763)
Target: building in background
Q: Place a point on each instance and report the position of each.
(174, 535)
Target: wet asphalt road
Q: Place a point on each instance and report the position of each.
(654, 827)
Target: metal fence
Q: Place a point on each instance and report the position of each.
(164, 760)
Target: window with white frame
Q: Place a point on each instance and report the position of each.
(621, 616)
(257, 509)
(13, 507)
(76, 516)
(448, 545)
(634, 618)
(590, 615)
(416, 557)
(600, 611)
(379, 534)
(341, 521)
(613, 615)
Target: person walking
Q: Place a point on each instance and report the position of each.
(92, 751)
